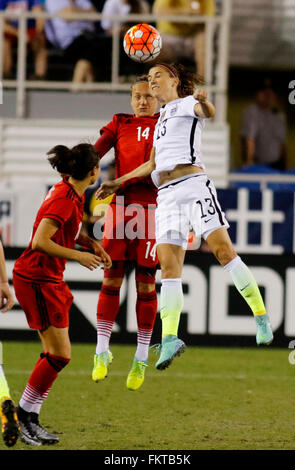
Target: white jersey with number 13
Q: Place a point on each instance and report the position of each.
(177, 136)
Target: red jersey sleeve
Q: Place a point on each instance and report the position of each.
(108, 137)
(59, 209)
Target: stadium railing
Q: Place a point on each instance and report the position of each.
(24, 143)
(217, 49)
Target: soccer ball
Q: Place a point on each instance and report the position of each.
(142, 43)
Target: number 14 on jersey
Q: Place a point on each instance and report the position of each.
(143, 134)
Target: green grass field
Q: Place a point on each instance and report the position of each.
(210, 398)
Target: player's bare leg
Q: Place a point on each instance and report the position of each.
(221, 246)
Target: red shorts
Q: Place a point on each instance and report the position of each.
(44, 303)
(129, 234)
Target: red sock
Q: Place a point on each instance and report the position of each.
(146, 311)
(107, 310)
(42, 355)
(108, 303)
(41, 379)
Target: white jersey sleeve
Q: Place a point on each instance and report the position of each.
(188, 106)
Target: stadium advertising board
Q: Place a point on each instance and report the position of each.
(214, 313)
(7, 217)
(261, 222)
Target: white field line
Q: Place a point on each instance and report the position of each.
(187, 375)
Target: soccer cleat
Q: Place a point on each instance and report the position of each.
(136, 375)
(44, 436)
(100, 368)
(10, 426)
(28, 435)
(264, 333)
(170, 348)
(111, 357)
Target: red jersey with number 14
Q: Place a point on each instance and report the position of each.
(64, 205)
(132, 139)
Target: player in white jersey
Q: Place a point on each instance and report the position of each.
(186, 198)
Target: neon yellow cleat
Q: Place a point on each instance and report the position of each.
(111, 357)
(136, 375)
(100, 368)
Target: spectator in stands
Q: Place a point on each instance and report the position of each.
(76, 38)
(35, 37)
(183, 40)
(263, 132)
(121, 8)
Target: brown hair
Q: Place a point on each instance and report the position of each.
(139, 79)
(187, 79)
(75, 162)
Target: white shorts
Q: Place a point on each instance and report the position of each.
(187, 203)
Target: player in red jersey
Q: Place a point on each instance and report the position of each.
(38, 277)
(131, 136)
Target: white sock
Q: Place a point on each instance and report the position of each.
(104, 331)
(143, 344)
(171, 304)
(32, 400)
(246, 285)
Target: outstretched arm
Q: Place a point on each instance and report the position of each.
(87, 242)
(43, 242)
(144, 170)
(204, 109)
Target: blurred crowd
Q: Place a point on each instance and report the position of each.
(82, 49)
(264, 129)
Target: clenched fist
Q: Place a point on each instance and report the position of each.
(201, 95)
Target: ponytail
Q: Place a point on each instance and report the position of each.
(75, 162)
